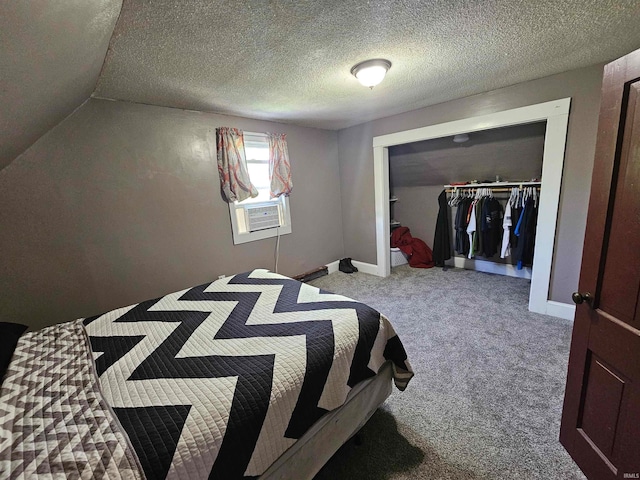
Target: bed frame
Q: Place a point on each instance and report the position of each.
(309, 454)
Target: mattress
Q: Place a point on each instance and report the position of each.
(216, 381)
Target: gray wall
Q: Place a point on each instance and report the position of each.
(417, 208)
(50, 57)
(583, 85)
(121, 203)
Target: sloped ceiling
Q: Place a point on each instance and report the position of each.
(287, 61)
(51, 53)
(290, 60)
(514, 153)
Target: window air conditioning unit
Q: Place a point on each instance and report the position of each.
(261, 217)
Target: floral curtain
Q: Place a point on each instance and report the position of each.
(279, 166)
(232, 165)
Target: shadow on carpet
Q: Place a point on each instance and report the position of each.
(385, 454)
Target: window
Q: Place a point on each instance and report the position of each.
(256, 147)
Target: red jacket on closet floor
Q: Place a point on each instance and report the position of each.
(419, 253)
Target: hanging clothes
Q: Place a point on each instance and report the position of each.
(505, 251)
(478, 241)
(442, 237)
(471, 229)
(483, 227)
(491, 226)
(516, 213)
(525, 231)
(462, 239)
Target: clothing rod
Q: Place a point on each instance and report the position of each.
(495, 185)
(451, 190)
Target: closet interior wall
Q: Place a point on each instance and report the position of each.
(417, 208)
(418, 171)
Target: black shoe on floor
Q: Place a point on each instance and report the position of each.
(344, 266)
(351, 264)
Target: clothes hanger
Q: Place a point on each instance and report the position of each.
(451, 201)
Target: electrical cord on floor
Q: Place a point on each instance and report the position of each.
(277, 247)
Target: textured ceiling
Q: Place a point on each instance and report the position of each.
(51, 53)
(290, 60)
(514, 153)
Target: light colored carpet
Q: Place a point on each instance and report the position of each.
(487, 396)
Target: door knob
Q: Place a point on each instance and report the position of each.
(579, 298)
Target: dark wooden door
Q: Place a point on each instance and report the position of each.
(601, 415)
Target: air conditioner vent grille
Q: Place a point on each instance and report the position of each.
(263, 217)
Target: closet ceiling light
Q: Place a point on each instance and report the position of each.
(461, 138)
(371, 72)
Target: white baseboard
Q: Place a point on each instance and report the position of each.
(333, 266)
(490, 267)
(561, 310)
(365, 267)
(361, 266)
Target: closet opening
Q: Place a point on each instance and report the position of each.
(501, 167)
(541, 126)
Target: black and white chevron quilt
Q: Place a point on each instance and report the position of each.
(217, 381)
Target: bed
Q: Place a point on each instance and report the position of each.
(251, 376)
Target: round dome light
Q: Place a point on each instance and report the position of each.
(371, 72)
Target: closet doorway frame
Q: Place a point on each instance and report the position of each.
(556, 115)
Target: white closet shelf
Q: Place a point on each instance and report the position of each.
(393, 199)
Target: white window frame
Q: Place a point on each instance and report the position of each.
(237, 209)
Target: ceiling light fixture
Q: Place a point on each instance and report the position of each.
(371, 72)
(461, 138)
